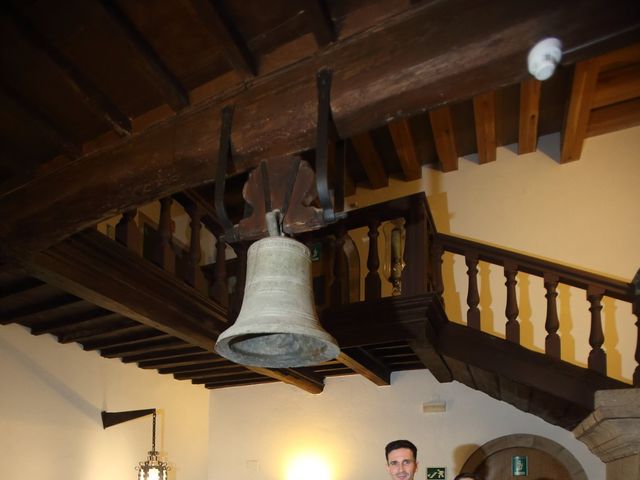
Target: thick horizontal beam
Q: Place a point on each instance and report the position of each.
(410, 63)
(537, 370)
(95, 268)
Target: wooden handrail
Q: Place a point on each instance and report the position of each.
(538, 267)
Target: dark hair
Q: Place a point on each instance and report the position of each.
(467, 476)
(396, 444)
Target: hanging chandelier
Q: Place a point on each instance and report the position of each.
(152, 468)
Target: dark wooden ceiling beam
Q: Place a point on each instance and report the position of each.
(21, 287)
(91, 317)
(370, 160)
(617, 85)
(365, 364)
(36, 310)
(174, 93)
(102, 272)
(574, 131)
(403, 66)
(529, 116)
(614, 117)
(321, 22)
(40, 122)
(484, 113)
(100, 331)
(406, 150)
(194, 367)
(125, 338)
(91, 95)
(175, 350)
(110, 276)
(444, 138)
(234, 46)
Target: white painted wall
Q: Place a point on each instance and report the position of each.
(50, 403)
(259, 431)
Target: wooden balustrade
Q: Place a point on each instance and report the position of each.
(423, 254)
(595, 286)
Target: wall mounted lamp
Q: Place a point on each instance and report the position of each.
(152, 468)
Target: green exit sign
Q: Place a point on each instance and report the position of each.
(437, 472)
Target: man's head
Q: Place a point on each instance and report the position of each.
(401, 459)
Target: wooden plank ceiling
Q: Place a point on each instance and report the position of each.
(107, 105)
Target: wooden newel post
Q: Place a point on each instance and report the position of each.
(437, 251)
(415, 279)
(193, 273)
(597, 357)
(340, 284)
(164, 256)
(372, 282)
(219, 290)
(127, 232)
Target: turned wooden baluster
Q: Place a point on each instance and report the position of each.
(552, 324)
(340, 284)
(597, 356)
(164, 256)
(437, 251)
(194, 247)
(473, 297)
(511, 310)
(219, 290)
(127, 232)
(372, 282)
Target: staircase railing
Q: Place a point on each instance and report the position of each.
(423, 252)
(595, 287)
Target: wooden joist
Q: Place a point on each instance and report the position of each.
(406, 150)
(403, 66)
(370, 160)
(529, 116)
(444, 137)
(484, 111)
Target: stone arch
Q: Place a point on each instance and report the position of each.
(564, 456)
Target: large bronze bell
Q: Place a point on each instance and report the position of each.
(278, 326)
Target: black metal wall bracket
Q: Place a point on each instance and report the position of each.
(110, 419)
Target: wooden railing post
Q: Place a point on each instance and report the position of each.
(372, 282)
(340, 284)
(194, 247)
(415, 278)
(437, 251)
(164, 256)
(511, 310)
(219, 290)
(597, 356)
(127, 232)
(552, 324)
(473, 296)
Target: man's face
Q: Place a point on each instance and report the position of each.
(401, 464)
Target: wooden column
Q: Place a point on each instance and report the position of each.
(127, 232)
(511, 310)
(415, 277)
(636, 311)
(552, 324)
(473, 297)
(340, 284)
(219, 290)
(437, 251)
(372, 282)
(164, 256)
(194, 247)
(597, 356)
